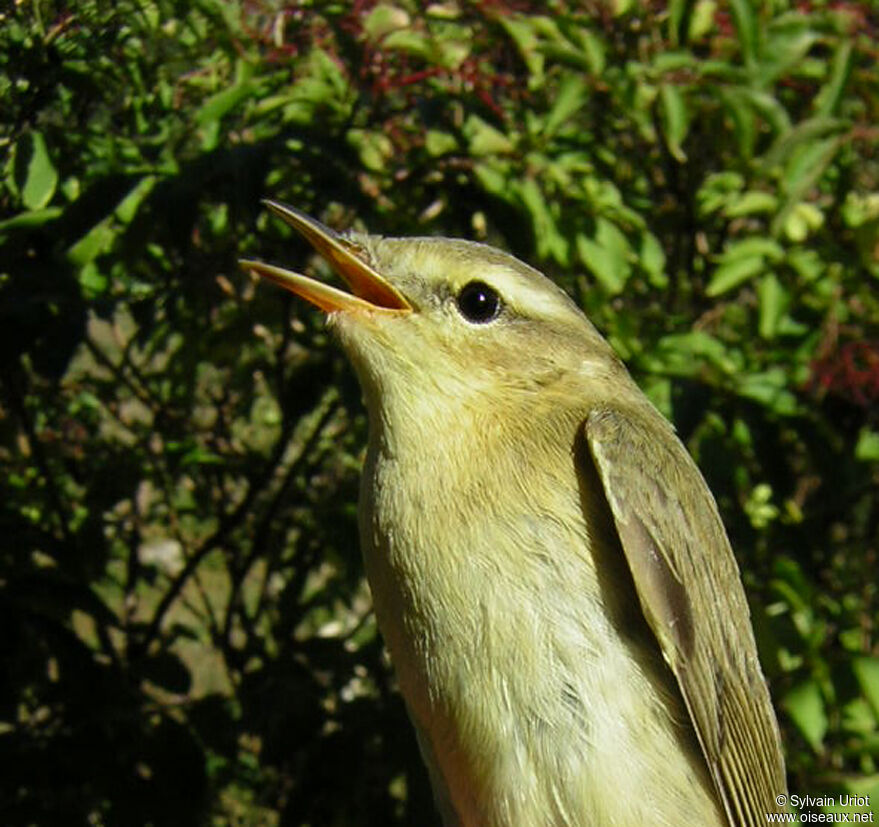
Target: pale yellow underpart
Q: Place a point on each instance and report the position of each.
(531, 708)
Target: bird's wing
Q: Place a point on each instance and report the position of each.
(680, 557)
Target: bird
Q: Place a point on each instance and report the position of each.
(548, 567)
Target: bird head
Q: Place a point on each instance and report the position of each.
(446, 318)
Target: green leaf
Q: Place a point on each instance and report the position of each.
(592, 50)
(674, 61)
(374, 148)
(769, 389)
(804, 133)
(867, 447)
(550, 243)
(607, 255)
(409, 42)
(701, 19)
(750, 203)
(201, 456)
(745, 22)
(127, 208)
(33, 218)
(384, 19)
(768, 107)
(807, 264)
(688, 354)
(216, 106)
(439, 143)
(676, 10)
(827, 100)
(451, 53)
(755, 246)
(659, 391)
(484, 139)
(867, 672)
(860, 209)
(322, 89)
(773, 302)
(807, 165)
(791, 582)
(92, 281)
(734, 273)
(805, 706)
(717, 191)
(35, 177)
(759, 507)
(210, 136)
(98, 240)
(744, 119)
(787, 42)
(802, 173)
(494, 177)
(571, 96)
(673, 110)
(801, 220)
(218, 219)
(653, 260)
(522, 32)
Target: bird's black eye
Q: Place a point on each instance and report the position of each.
(478, 302)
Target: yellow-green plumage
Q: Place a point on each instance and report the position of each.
(548, 568)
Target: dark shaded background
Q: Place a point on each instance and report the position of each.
(185, 634)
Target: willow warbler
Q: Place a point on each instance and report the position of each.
(548, 567)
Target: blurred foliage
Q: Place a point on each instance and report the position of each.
(186, 635)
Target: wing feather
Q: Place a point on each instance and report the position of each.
(690, 590)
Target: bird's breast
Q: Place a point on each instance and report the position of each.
(532, 693)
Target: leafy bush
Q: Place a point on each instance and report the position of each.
(186, 632)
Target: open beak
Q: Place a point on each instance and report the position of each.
(371, 292)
